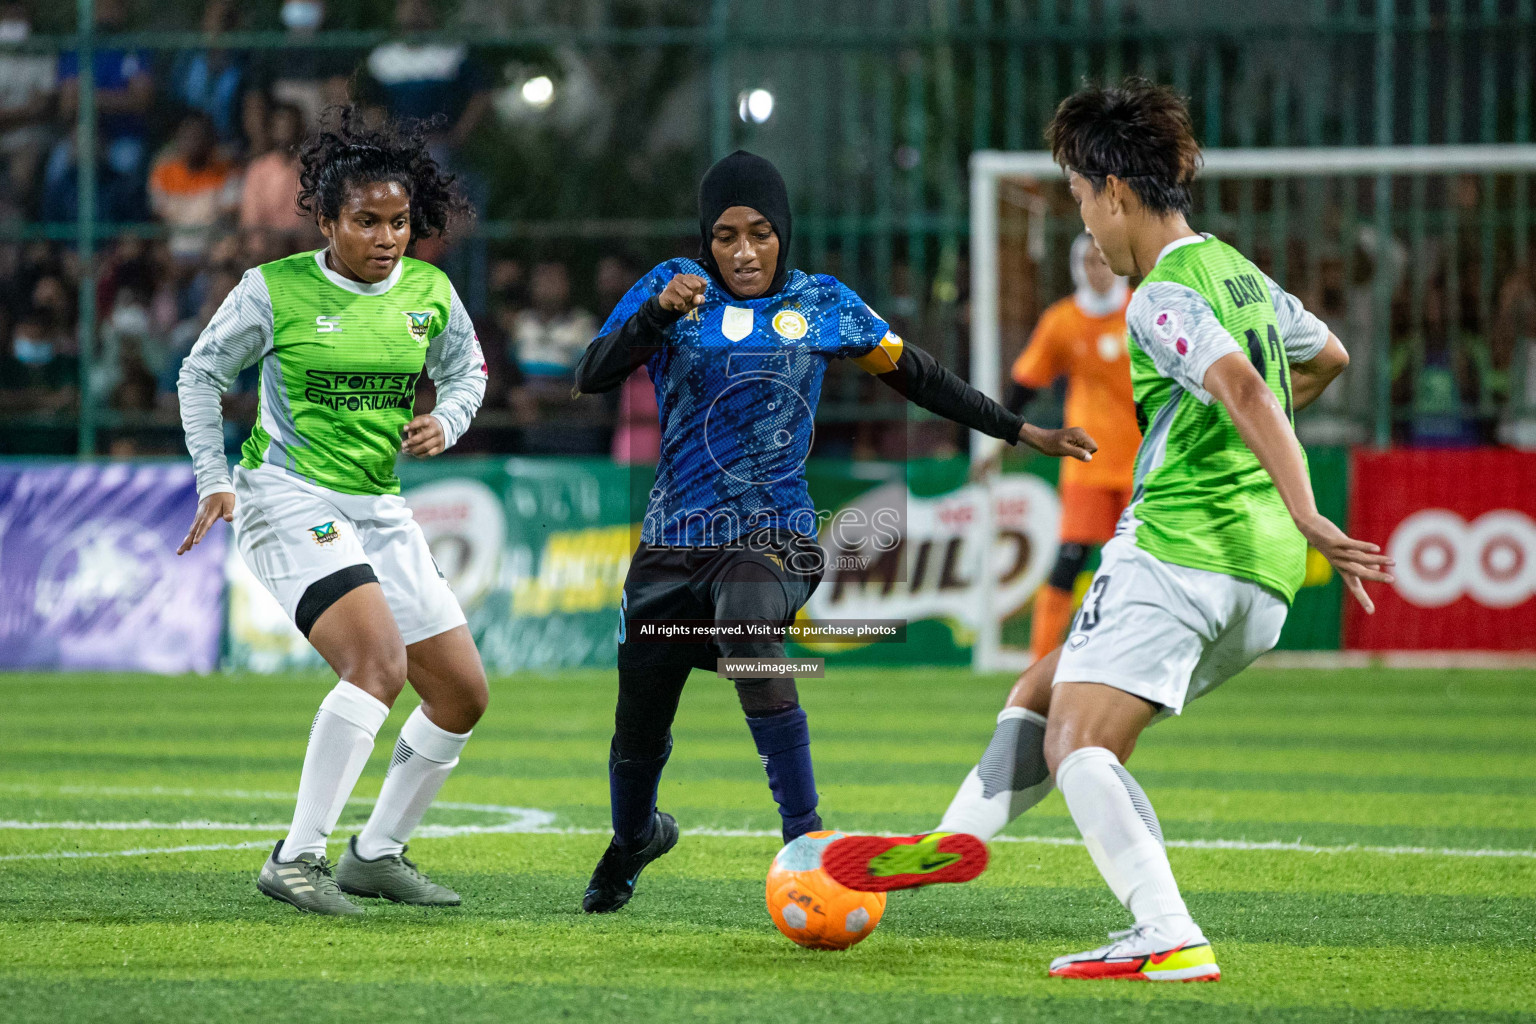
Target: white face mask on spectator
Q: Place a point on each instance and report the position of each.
(14, 30)
(302, 14)
(32, 352)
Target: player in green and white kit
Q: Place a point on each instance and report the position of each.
(342, 336)
(1205, 562)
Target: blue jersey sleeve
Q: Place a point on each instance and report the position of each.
(653, 283)
(859, 328)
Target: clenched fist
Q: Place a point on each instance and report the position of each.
(1068, 442)
(683, 292)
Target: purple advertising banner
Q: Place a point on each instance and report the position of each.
(89, 577)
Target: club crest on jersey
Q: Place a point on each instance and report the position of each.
(1165, 326)
(736, 323)
(325, 533)
(790, 324)
(419, 324)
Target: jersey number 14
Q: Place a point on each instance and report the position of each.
(1277, 353)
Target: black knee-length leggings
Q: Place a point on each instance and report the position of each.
(764, 580)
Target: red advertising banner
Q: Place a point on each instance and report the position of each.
(1462, 527)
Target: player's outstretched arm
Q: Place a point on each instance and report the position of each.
(1233, 382)
(1311, 378)
(612, 357)
(1018, 397)
(919, 378)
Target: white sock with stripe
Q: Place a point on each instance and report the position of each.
(424, 755)
(1124, 838)
(339, 744)
(1010, 779)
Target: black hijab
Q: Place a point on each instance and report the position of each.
(744, 179)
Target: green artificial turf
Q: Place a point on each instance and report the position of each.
(1360, 846)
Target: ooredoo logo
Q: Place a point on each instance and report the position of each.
(1441, 556)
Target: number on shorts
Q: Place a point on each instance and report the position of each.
(1088, 617)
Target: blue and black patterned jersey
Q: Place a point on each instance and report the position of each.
(737, 385)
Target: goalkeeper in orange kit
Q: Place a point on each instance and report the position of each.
(1082, 338)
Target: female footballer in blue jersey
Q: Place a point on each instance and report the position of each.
(737, 344)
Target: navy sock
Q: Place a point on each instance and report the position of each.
(784, 744)
(632, 794)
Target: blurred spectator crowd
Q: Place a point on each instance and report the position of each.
(204, 145)
(201, 144)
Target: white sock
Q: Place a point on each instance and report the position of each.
(1123, 837)
(339, 744)
(424, 755)
(1010, 779)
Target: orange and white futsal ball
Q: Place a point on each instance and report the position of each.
(812, 909)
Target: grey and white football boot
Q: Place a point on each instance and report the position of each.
(393, 878)
(305, 883)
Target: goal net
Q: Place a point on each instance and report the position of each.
(1419, 258)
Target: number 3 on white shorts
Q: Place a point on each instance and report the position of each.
(1088, 617)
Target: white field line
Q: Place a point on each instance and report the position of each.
(1294, 847)
(517, 819)
(531, 821)
(1180, 844)
(144, 851)
(139, 826)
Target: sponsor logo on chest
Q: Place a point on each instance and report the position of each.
(353, 391)
(418, 325)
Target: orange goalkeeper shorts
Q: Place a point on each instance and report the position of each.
(1089, 514)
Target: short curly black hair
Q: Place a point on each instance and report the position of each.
(1139, 132)
(346, 152)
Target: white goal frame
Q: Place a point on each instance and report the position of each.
(989, 167)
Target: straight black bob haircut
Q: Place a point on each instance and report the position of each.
(1138, 131)
(347, 153)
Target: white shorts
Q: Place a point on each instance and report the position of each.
(1167, 633)
(293, 534)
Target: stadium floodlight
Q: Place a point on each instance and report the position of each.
(539, 91)
(755, 106)
(1018, 201)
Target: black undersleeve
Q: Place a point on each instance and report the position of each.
(922, 381)
(611, 358)
(1018, 397)
(327, 590)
